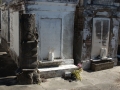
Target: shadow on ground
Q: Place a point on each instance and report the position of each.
(8, 81)
(7, 69)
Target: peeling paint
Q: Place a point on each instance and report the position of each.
(103, 13)
(114, 39)
(84, 50)
(86, 33)
(115, 35)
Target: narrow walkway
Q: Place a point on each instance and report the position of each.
(108, 79)
(101, 80)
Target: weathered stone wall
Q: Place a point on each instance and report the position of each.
(106, 2)
(90, 12)
(64, 10)
(114, 39)
(78, 34)
(28, 42)
(63, 15)
(5, 25)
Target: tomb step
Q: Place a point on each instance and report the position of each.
(9, 80)
(101, 65)
(51, 72)
(55, 63)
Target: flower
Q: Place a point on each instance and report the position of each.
(79, 65)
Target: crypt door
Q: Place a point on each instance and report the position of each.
(100, 36)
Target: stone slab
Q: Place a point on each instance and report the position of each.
(56, 71)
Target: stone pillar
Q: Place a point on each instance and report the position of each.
(28, 50)
(78, 29)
